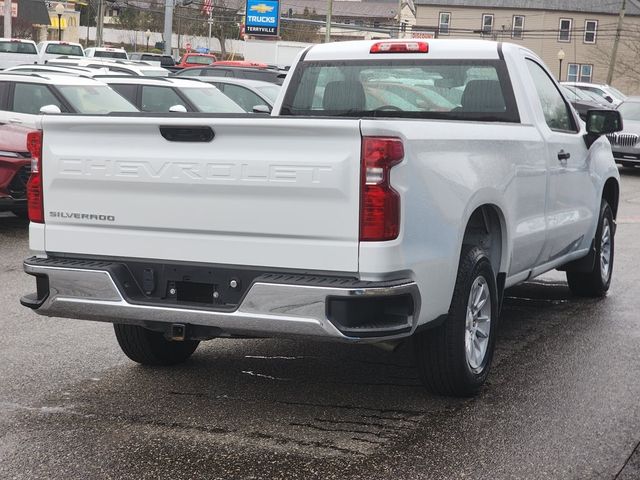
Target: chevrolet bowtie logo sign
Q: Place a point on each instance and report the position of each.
(262, 18)
(261, 8)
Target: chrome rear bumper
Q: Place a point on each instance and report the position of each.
(268, 309)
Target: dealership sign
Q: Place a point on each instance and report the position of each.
(262, 17)
(14, 10)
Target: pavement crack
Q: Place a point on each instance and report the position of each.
(636, 450)
(354, 422)
(355, 407)
(344, 430)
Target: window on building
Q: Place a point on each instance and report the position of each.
(590, 31)
(444, 23)
(487, 24)
(586, 73)
(577, 72)
(564, 31)
(517, 29)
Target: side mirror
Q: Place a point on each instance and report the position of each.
(602, 122)
(50, 109)
(178, 109)
(262, 109)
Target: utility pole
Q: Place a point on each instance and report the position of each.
(614, 53)
(7, 18)
(100, 24)
(168, 26)
(327, 28)
(210, 23)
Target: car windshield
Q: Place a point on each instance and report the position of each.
(149, 72)
(270, 91)
(199, 60)
(617, 92)
(211, 100)
(460, 90)
(103, 54)
(64, 49)
(90, 99)
(630, 111)
(17, 47)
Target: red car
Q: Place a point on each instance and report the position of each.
(15, 168)
(196, 60)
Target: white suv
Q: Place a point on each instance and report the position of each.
(27, 94)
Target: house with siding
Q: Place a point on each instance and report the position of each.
(575, 38)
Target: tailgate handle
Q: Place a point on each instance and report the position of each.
(187, 134)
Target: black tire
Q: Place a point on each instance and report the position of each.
(440, 352)
(596, 283)
(152, 348)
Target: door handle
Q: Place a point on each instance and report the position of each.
(15, 120)
(563, 156)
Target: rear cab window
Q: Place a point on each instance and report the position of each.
(423, 88)
(9, 46)
(64, 49)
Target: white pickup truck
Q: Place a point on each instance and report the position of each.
(398, 188)
(16, 51)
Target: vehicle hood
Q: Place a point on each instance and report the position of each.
(631, 126)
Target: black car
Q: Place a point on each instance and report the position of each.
(271, 75)
(581, 102)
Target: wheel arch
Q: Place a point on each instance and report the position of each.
(611, 193)
(486, 226)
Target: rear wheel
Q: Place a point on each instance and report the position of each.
(152, 348)
(596, 282)
(455, 358)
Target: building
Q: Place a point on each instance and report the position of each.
(575, 38)
(354, 19)
(28, 15)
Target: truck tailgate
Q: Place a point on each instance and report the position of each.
(264, 192)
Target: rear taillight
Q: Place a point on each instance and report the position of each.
(34, 185)
(379, 203)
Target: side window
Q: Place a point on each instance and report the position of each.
(31, 97)
(556, 112)
(4, 86)
(159, 99)
(191, 72)
(216, 72)
(127, 91)
(243, 97)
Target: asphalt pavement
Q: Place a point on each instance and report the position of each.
(562, 402)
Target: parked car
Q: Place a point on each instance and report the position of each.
(15, 167)
(195, 60)
(626, 144)
(581, 101)
(160, 95)
(117, 67)
(271, 75)
(51, 68)
(16, 52)
(23, 96)
(53, 49)
(107, 52)
(611, 94)
(246, 93)
(335, 218)
(164, 60)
